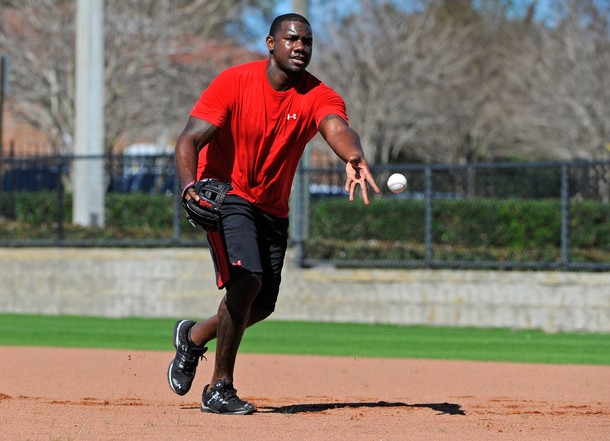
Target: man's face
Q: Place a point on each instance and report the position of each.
(292, 46)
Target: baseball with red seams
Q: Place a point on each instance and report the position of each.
(397, 183)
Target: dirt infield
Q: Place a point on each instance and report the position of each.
(76, 394)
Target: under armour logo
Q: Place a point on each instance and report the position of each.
(291, 116)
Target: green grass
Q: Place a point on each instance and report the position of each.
(307, 338)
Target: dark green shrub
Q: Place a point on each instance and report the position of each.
(388, 229)
(471, 229)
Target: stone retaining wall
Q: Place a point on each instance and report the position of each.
(180, 283)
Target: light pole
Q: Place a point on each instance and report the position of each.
(301, 7)
(88, 173)
(299, 221)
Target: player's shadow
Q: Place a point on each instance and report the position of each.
(441, 408)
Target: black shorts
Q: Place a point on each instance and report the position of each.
(250, 241)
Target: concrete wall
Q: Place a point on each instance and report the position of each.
(180, 283)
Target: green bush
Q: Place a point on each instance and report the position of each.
(590, 224)
(387, 229)
(133, 216)
(144, 210)
(383, 220)
(507, 223)
(472, 229)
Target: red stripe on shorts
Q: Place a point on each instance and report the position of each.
(221, 260)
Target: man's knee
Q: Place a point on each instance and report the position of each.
(259, 313)
(252, 283)
(242, 291)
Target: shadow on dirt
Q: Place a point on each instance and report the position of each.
(441, 408)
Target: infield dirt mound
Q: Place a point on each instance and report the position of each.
(86, 394)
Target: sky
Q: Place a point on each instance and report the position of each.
(317, 6)
(318, 9)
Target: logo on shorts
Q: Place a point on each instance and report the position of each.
(291, 116)
(238, 263)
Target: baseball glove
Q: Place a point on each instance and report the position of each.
(206, 212)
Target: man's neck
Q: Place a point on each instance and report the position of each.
(279, 80)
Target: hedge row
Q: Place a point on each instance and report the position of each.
(488, 228)
(475, 230)
(128, 216)
(513, 224)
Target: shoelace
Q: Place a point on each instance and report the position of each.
(230, 394)
(189, 361)
(227, 395)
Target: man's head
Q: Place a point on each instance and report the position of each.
(277, 22)
(290, 43)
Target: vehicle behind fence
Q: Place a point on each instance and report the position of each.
(553, 215)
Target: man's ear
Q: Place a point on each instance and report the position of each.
(270, 43)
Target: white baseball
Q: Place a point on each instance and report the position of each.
(397, 183)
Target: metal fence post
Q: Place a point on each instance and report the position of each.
(177, 209)
(60, 200)
(429, 216)
(565, 218)
(299, 214)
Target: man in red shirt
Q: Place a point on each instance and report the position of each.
(249, 128)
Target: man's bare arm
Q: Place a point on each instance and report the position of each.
(345, 142)
(196, 134)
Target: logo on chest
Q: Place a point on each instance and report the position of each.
(292, 116)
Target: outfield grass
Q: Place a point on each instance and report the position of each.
(353, 340)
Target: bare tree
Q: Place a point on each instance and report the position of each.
(163, 53)
(39, 35)
(441, 81)
(448, 81)
(564, 69)
(422, 85)
(155, 62)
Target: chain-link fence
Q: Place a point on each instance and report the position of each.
(552, 215)
(493, 215)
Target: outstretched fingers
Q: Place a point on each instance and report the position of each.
(359, 175)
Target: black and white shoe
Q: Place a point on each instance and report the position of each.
(222, 398)
(181, 371)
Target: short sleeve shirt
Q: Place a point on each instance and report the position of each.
(262, 132)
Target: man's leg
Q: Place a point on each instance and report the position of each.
(206, 331)
(190, 339)
(233, 318)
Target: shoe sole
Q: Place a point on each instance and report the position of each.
(206, 409)
(169, 380)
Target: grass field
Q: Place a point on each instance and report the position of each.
(307, 338)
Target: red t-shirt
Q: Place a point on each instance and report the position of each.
(262, 133)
